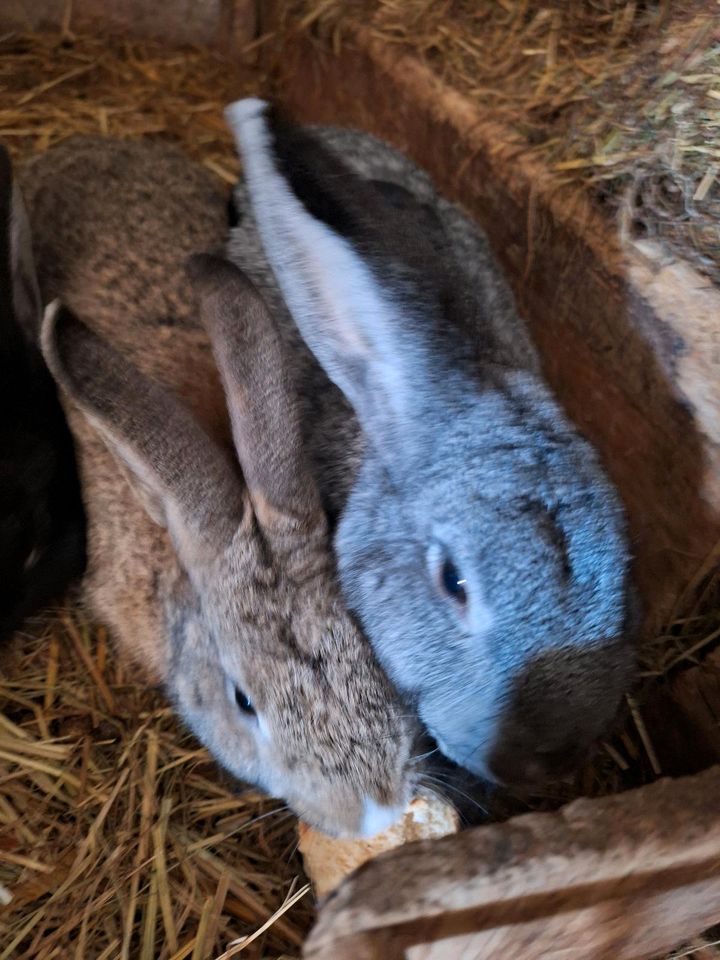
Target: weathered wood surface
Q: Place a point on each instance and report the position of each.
(619, 878)
(630, 341)
(228, 24)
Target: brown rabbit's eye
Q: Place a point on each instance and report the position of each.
(452, 583)
(244, 703)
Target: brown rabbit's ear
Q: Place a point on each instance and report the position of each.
(180, 475)
(260, 396)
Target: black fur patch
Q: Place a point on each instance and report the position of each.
(400, 238)
(39, 479)
(314, 175)
(395, 195)
(6, 307)
(233, 214)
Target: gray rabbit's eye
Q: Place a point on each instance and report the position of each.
(453, 583)
(244, 703)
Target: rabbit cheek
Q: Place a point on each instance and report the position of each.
(202, 700)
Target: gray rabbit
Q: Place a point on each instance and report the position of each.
(208, 551)
(479, 539)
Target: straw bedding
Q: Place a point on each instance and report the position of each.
(620, 95)
(118, 835)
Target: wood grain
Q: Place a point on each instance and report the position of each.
(620, 878)
(227, 24)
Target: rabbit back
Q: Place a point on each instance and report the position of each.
(113, 223)
(127, 279)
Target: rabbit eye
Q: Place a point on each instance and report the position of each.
(244, 703)
(452, 583)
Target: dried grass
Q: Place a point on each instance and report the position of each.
(620, 95)
(118, 836)
(53, 87)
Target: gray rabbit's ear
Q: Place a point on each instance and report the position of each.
(20, 306)
(332, 240)
(260, 396)
(182, 478)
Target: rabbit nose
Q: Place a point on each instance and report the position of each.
(516, 766)
(560, 703)
(377, 817)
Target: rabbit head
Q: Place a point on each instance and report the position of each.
(41, 525)
(481, 545)
(261, 658)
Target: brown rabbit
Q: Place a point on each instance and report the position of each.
(207, 546)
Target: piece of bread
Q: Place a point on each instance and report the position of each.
(328, 860)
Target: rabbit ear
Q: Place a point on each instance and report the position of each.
(180, 475)
(260, 396)
(20, 307)
(332, 240)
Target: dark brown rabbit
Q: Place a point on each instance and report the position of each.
(42, 541)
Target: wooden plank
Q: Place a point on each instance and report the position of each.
(619, 878)
(629, 340)
(228, 24)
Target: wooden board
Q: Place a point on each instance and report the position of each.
(227, 24)
(619, 878)
(630, 340)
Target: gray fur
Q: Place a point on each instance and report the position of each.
(463, 453)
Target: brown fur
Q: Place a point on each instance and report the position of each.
(210, 585)
(82, 220)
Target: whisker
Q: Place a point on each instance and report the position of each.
(424, 756)
(293, 850)
(268, 813)
(442, 798)
(448, 785)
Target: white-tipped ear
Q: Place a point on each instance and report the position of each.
(245, 111)
(348, 318)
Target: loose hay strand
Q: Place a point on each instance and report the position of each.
(239, 945)
(644, 736)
